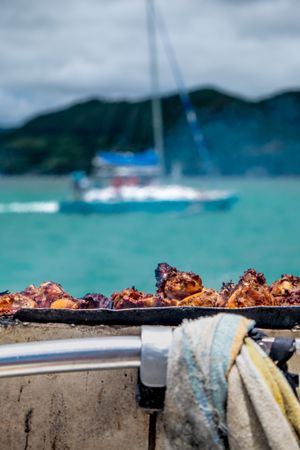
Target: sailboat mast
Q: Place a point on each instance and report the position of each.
(157, 121)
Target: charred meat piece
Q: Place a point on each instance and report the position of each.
(21, 301)
(162, 272)
(6, 302)
(47, 293)
(289, 299)
(286, 285)
(252, 290)
(226, 291)
(90, 301)
(174, 284)
(64, 303)
(34, 293)
(207, 297)
(248, 296)
(251, 278)
(132, 298)
(286, 290)
(53, 291)
(11, 302)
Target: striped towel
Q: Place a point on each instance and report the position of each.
(224, 392)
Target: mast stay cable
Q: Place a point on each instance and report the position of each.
(184, 95)
(157, 120)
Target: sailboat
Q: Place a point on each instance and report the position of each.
(130, 182)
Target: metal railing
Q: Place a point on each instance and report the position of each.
(70, 355)
(148, 351)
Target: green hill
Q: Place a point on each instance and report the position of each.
(242, 136)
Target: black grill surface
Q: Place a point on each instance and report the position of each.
(284, 317)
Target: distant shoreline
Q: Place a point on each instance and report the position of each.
(243, 137)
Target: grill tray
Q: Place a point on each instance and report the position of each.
(284, 317)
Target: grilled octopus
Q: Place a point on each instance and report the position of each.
(132, 298)
(207, 297)
(49, 295)
(94, 301)
(174, 288)
(226, 291)
(286, 290)
(175, 285)
(251, 290)
(9, 302)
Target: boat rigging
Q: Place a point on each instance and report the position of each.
(134, 180)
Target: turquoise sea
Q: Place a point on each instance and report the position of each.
(107, 253)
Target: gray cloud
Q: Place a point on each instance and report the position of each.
(54, 53)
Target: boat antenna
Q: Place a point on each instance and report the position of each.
(185, 97)
(157, 121)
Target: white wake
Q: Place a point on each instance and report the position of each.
(29, 207)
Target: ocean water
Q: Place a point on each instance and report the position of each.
(105, 253)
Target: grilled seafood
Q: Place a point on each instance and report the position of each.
(285, 284)
(174, 288)
(12, 302)
(252, 290)
(45, 294)
(248, 296)
(289, 299)
(207, 297)
(226, 291)
(6, 305)
(251, 277)
(132, 298)
(286, 290)
(65, 303)
(176, 285)
(90, 301)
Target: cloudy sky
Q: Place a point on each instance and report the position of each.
(55, 52)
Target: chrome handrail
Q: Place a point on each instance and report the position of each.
(70, 355)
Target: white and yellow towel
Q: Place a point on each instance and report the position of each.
(224, 392)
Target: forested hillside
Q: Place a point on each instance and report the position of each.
(242, 136)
